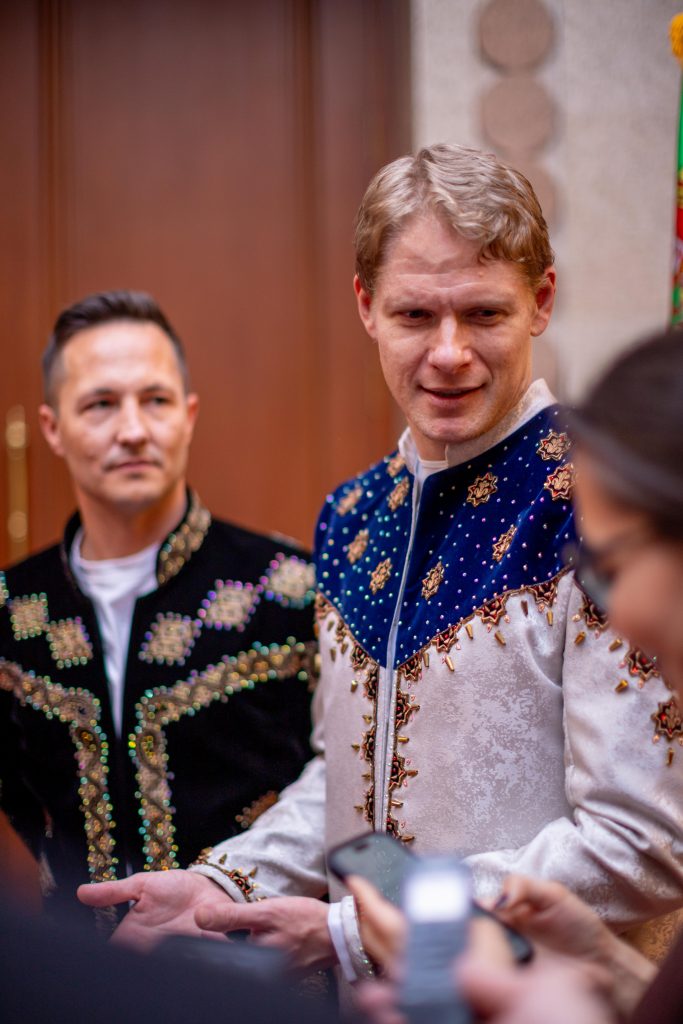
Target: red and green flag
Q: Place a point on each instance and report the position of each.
(676, 35)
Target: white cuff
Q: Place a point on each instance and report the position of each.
(334, 925)
(361, 963)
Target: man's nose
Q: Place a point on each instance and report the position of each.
(132, 427)
(450, 350)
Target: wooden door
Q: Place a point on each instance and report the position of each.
(212, 153)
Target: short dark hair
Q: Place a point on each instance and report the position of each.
(103, 308)
(631, 421)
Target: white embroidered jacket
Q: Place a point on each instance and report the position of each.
(471, 698)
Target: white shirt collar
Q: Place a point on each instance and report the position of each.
(538, 396)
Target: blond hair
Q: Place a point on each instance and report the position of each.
(481, 198)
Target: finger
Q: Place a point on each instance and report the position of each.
(487, 941)
(377, 1000)
(227, 916)
(490, 990)
(539, 893)
(105, 894)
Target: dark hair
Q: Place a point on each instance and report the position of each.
(631, 421)
(103, 308)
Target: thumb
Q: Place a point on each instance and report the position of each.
(104, 894)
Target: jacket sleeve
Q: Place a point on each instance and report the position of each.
(622, 849)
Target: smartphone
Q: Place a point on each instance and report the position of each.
(437, 903)
(385, 862)
(377, 857)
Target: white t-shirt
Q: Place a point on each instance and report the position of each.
(114, 585)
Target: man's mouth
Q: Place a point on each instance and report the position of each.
(134, 464)
(451, 393)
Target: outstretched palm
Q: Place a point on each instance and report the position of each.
(164, 904)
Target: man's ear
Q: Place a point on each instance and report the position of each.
(192, 406)
(365, 310)
(545, 300)
(49, 424)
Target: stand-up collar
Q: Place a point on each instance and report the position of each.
(537, 396)
(177, 549)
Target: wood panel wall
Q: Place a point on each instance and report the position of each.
(212, 153)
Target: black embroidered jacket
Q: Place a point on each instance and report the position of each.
(216, 703)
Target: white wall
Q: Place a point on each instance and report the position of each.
(617, 88)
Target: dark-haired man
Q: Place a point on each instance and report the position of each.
(154, 682)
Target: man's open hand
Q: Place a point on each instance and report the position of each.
(165, 903)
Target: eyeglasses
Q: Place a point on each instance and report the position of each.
(587, 563)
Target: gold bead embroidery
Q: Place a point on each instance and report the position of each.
(399, 493)
(69, 643)
(181, 545)
(249, 814)
(502, 545)
(561, 483)
(395, 465)
(170, 639)
(481, 490)
(358, 545)
(230, 607)
(667, 720)
(291, 578)
(80, 710)
(163, 705)
(380, 575)
(29, 616)
(554, 446)
(350, 500)
(432, 581)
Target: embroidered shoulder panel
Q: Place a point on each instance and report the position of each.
(493, 526)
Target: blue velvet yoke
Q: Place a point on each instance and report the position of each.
(497, 523)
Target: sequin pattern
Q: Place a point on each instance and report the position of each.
(80, 711)
(180, 546)
(28, 615)
(163, 705)
(230, 604)
(69, 642)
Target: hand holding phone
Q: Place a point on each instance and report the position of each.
(384, 862)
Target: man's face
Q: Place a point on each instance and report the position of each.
(454, 334)
(122, 421)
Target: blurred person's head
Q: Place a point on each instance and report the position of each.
(454, 277)
(629, 491)
(117, 407)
